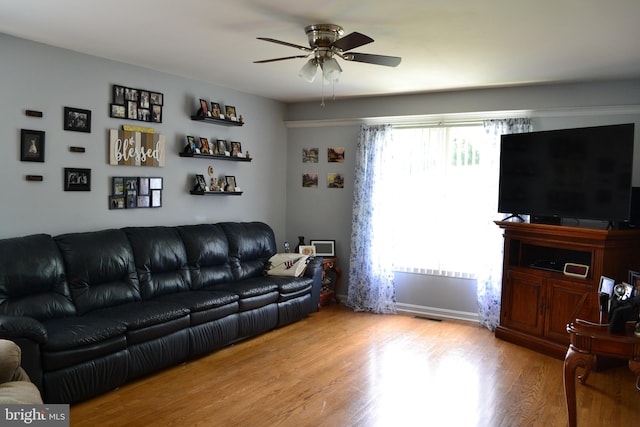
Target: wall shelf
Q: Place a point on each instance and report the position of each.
(216, 121)
(216, 157)
(215, 193)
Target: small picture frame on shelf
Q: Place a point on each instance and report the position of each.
(204, 109)
(230, 183)
(216, 111)
(230, 113)
(324, 247)
(76, 179)
(204, 146)
(223, 150)
(236, 148)
(191, 146)
(31, 145)
(201, 184)
(77, 120)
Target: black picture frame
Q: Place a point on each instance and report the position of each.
(216, 111)
(117, 189)
(142, 105)
(77, 120)
(201, 184)
(76, 179)
(230, 112)
(222, 147)
(156, 198)
(230, 183)
(236, 148)
(31, 145)
(117, 202)
(204, 109)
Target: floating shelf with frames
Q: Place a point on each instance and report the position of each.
(216, 121)
(216, 157)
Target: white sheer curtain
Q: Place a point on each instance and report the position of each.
(371, 280)
(490, 277)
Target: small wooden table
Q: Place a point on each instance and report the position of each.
(331, 275)
(589, 340)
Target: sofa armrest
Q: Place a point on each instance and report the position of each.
(314, 271)
(14, 327)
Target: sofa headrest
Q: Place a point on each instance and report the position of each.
(33, 284)
(100, 269)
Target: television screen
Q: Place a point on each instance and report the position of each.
(582, 173)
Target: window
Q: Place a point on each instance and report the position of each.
(444, 198)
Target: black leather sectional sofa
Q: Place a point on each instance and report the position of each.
(92, 311)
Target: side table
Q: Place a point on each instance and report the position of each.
(331, 275)
(589, 340)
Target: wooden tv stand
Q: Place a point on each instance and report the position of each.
(538, 303)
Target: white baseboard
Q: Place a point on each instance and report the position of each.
(438, 313)
(435, 312)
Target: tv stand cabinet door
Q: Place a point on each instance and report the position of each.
(566, 301)
(523, 303)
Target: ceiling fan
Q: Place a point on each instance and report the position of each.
(325, 44)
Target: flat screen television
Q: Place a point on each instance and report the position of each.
(581, 173)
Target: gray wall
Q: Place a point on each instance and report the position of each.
(39, 77)
(309, 125)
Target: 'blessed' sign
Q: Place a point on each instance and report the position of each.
(127, 148)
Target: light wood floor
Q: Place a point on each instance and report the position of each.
(340, 368)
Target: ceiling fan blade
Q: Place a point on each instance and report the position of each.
(297, 46)
(279, 59)
(352, 41)
(389, 61)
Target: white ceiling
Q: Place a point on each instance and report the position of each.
(444, 44)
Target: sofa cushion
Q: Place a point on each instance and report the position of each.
(100, 269)
(74, 340)
(75, 332)
(207, 254)
(255, 292)
(33, 283)
(205, 306)
(139, 315)
(289, 285)
(251, 244)
(147, 320)
(160, 259)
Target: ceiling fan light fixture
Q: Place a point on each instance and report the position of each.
(308, 70)
(331, 70)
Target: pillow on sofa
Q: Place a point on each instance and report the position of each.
(288, 264)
